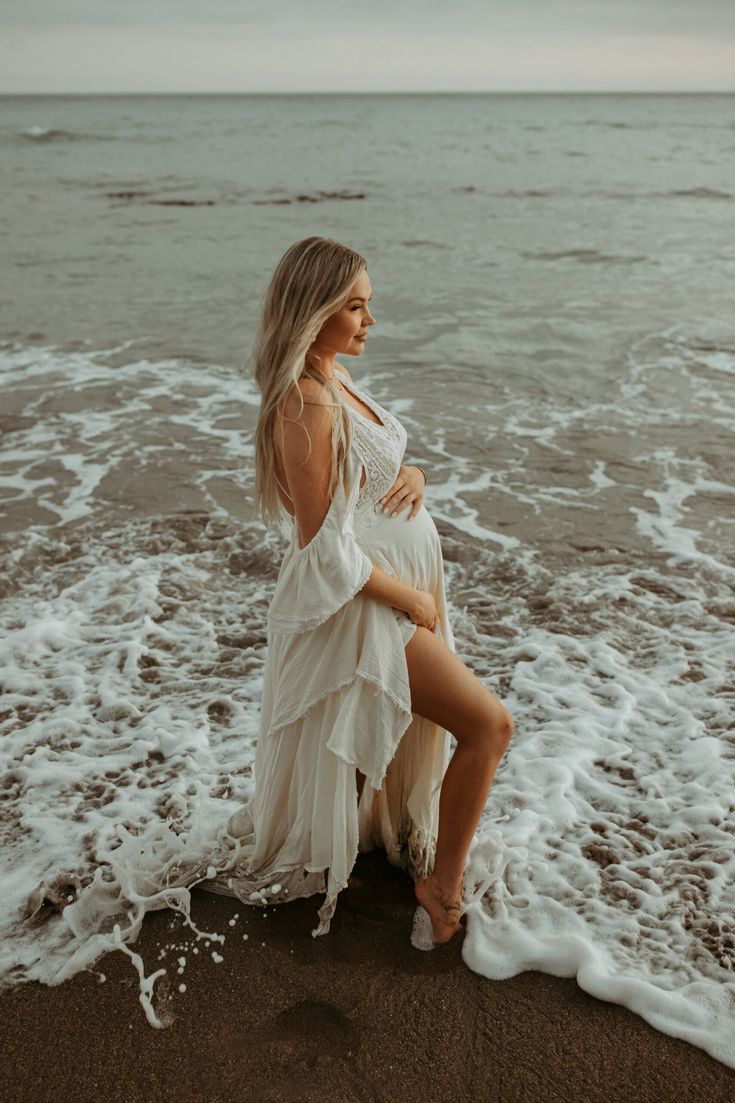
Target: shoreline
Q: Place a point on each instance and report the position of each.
(357, 1014)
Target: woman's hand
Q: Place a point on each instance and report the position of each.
(408, 489)
(423, 609)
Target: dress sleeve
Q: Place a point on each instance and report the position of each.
(317, 580)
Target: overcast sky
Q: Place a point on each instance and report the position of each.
(380, 45)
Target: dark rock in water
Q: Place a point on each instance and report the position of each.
(127, 194)
(182, 202)
(318, 197)
(142, 195)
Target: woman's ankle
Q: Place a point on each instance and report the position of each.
(447, 886)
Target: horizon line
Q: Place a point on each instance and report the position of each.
(398, 92)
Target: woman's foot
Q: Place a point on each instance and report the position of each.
(443, 905)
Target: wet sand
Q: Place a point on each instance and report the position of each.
(358, 1015)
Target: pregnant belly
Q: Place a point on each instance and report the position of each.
(411, 548)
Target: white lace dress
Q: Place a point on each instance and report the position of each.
(336, 698)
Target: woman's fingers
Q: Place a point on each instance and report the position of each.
(415, 507)
(407, 489)
(394, 503)
(397, 498)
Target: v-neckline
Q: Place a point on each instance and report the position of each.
(378, 424)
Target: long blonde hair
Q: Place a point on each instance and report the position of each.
(312, 280)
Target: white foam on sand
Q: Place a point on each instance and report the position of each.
(131, 658)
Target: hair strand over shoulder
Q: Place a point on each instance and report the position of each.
(311, 282)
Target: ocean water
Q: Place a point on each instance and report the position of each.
(552, 284)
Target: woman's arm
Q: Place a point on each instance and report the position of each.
(384, 587)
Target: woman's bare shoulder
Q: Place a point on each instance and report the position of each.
(307, 390)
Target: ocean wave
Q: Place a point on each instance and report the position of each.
(60, 134)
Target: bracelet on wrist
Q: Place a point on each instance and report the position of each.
(422, 472)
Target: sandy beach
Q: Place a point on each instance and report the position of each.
(358, 1015)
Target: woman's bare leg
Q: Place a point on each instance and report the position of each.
(444, 690)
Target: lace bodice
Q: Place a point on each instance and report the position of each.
(381, 449)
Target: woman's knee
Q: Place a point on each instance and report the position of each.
(502, 728)
(490, 732)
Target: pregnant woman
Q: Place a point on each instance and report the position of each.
(362, 687)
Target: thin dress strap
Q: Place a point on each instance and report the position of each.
(282, 487)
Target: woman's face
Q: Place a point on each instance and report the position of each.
(345, 331)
